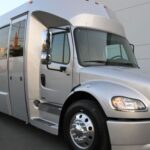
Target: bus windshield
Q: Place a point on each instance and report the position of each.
(97, 47)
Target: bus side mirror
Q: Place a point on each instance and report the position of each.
(46, 56)
(132, 47)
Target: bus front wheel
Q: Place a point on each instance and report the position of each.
(84, 127)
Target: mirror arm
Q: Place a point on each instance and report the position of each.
(48, 40)
(48, 46)
(47, 49)
(51, 40)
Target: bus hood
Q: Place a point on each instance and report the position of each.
(131, 77)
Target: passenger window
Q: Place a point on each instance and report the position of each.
(4, 32)
(17, 39)
(60, 48)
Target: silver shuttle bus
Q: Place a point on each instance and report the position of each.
(66, 67)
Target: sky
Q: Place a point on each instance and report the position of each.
(7, 5)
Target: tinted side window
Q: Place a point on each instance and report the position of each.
(17, 39)
(60, 48)
(4, 33)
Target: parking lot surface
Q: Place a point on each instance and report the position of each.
(16, 135)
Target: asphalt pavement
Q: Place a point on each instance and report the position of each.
(16, 135)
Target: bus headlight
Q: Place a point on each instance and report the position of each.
(128, 104)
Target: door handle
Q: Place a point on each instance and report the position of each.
(21, 78)
(43, 80)
(10, 77)
(63, 69)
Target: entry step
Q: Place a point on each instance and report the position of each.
(45, 125)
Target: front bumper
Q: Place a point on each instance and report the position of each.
(129, 135)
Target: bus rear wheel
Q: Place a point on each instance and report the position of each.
(84, 127)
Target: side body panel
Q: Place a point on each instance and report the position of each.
(104, 90)
(4, 89)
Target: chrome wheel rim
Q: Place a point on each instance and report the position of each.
(82, 131)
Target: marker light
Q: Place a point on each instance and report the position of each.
(128, 104)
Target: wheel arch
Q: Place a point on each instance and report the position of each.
(76, 96)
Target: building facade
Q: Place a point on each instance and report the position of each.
(135, 16)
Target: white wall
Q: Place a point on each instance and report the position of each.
(135, 16)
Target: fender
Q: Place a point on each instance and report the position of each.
(103, 91)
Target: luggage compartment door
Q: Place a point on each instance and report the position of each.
(16, 68)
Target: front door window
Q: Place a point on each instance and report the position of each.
(60, 48)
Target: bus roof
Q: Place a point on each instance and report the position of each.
(76, 12)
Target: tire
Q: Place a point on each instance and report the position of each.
(84, 127)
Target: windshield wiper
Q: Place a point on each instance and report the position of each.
(113, 63)
(127, 64)
(97, 61)
(122, 64)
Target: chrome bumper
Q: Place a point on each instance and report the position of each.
(132, 147)
(129, 135)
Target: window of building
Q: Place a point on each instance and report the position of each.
(4, 33)
(17, 39)
(60, 48)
